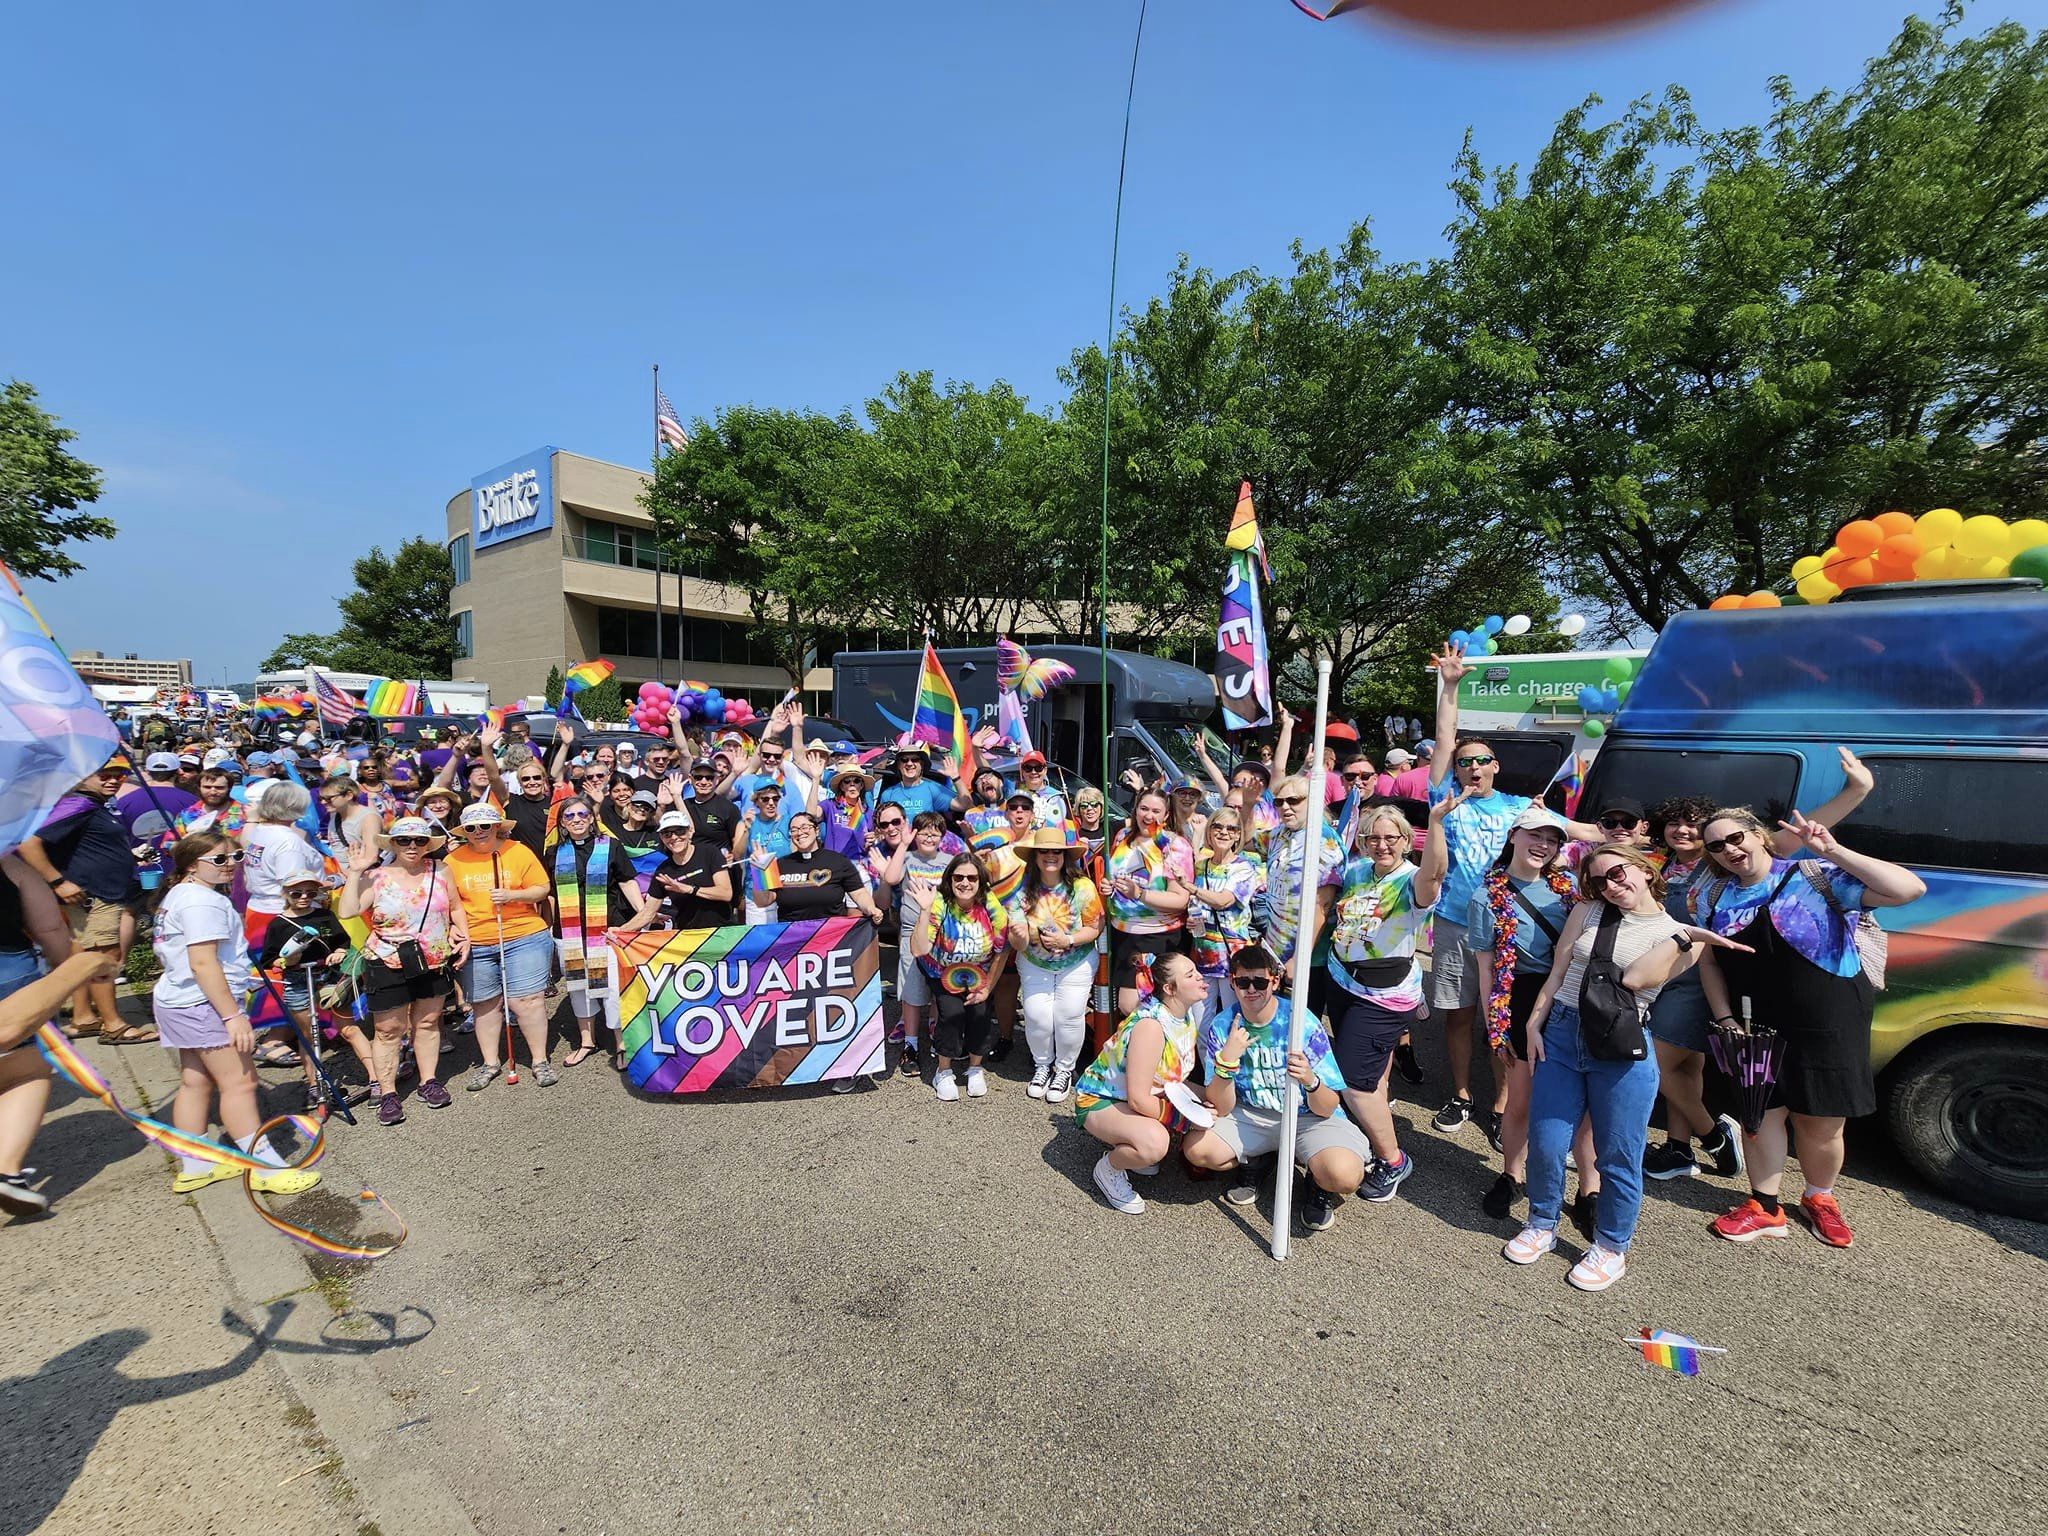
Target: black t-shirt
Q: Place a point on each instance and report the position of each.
(87, 842)
(618, 909)
(325, 939)
(529, 818)
(679, 910)
(716, 818)
(813, 885)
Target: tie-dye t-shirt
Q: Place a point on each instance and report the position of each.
(1376, 918)
(984, 819)
(1803, 917)
(1284, 857)
(1476, 831)
(1152, 861)
(1220, 932)
(964, 944)
(1105, 1079)
(1262, 1080)
(1069, 907)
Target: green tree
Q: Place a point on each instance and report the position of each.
(552, 691)
(396, 623)
(42, 486)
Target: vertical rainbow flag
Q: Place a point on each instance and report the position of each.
(1571, 773)
(384, 698)
(1243, 662)
(938, 719)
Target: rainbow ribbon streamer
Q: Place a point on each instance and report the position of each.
(387, 699)
(1672, 1351)
(65, 1058)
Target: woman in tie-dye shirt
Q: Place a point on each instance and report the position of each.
(1121, 1099)
(1220, 908)
(962, 941)
(1148, 869)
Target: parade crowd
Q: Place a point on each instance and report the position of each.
(455, 901)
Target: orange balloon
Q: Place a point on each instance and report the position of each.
(1859, 538)
(1894, 522)
(1854, 573)
(1725, 601)
(1901, 549)
(1762, 600)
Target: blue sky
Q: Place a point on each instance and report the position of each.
(296, 273)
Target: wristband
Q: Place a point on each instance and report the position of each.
(1228, 1068)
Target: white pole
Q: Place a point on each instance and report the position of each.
(1312, 825)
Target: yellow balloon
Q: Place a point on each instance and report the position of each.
(1981, 538)
(1997, 565)
(1938, 527)
(1933, 565)
(1818, 589)
(2025, 534)
(1806, 565)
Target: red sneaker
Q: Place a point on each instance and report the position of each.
(1748, 1222)
(1824, 1219)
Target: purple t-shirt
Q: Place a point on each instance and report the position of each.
(144, 819)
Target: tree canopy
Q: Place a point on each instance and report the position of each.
(42, 487)
(395, 624)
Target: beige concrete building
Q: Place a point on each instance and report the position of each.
(135, 669)
(554, 564)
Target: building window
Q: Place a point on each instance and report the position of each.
(458, 556)
(465, 635)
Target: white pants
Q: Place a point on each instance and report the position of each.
(1055, 1005)
(588, 1002)
(756, 916)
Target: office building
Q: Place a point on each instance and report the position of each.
(135, 669)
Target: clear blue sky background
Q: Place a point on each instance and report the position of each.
(296, 273)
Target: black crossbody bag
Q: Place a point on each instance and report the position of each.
(1610, 1023)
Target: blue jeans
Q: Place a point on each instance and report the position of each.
(1569, 1085)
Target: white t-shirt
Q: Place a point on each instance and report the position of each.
(192, 914)
(274, 854)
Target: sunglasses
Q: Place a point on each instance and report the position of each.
(769, 794)
(221, 859)
(1472, 762)
(302, 893)
(1033, 768)
(1290, 800)
(894, 821)
(1723, 844)
(1614, 875)
(1619, 821)
(411, 842)
(1223, 826)
(575, 815)
(965, 880)
(1252, 983)
(705, 774)
(531, 783)
(1359, 777)
(677, 832)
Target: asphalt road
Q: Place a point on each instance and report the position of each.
(813, 1313)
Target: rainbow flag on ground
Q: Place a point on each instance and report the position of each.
(385, 698)
(1672, 1351)
(938, 720)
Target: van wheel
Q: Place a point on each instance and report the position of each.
(1971, 1113)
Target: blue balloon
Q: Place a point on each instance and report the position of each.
(713, 696)
(1589, 699)
(714, 708)
(1495, 623)
(1459, 637)
(1610, 701)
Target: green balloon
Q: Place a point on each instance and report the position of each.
(1594, 728)
(1622, 666)
(2032, 562)
(1623, 687)
(1794, 601)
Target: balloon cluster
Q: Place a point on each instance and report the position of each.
(1617, 677)
(693, 701)
(1480, 639)
(1941, 545)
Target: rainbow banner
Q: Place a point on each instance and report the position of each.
(386, 699)
(1243, 664)
(938, 719)
(772, 1005)
(586, 674)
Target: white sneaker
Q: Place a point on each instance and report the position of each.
(1061, 1085)
(1040, 1076)
(1529, 1245)
(1149, 1171)
(1598, 1268)
(946, 1086)
(977, 1083)
(1116, 1187)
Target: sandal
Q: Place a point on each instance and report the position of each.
(618, 1061)
(577, 1057)
(73, 1030)
(139, 1034)
(275, 1055)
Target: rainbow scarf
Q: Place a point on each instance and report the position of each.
(1507, 921)
(586, 910)
(62, 1055)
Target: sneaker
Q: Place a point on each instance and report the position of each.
(1452, 1115)
(1383, 1178)
(388, 1111)
(1670, 1160)
(1584, 1210)
(910, 1064)
(1040, 1076)
(845, 1085)
(1115, 1185)
(1748, 1222)
(999, 1051)
(1500, 1197)
(1243, 1194)
(1149, 1171)
(1598, 1268)
(480, 1076)
(284, 1181)
(977, 1083)
(213, 1173)
(1725, 1156)
(18, 1198)
(1406, 1066)
(1529, 1245)
(544, 1073)
(1059, 1085)
(407, 1067)
(1318, 1209)
(1492, 1119)
(946, 1086)
(434, 1096)
(1823, 1218)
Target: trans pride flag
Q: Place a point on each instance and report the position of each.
(1243, 664)
(938, 719)
(52, 731)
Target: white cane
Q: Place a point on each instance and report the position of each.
(504, 1002)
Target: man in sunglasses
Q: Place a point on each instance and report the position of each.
(1476, 829)
(764, 838)
(715, 819)
(1251, 1072)
(1621, 824)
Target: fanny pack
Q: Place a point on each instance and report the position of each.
(1610, 1023)
(1379, 975)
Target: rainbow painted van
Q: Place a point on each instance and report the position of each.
(1945, 697)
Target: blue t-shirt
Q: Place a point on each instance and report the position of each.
(924, 795)
(767, 842)
(1262, 1071)
(1476, 832)
(1533, 947)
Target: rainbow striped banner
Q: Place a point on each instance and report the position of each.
(772, 1005)
(386, 699)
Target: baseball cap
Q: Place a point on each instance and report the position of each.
(1018, 797)
(673, 821)
(482, 814)
(1537, 819)
(260, 759)
(702, 766)
(1426, 746)
(302, 877)
(159, 762)
(1253, 765)
(1400, 757)
(645, 797)
(843, 749)
(1031, 760)
(188, 760)
(1623, 804)
(769, 788)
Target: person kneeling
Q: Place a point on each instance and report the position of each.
(1244, 1048)
(1122, 1100)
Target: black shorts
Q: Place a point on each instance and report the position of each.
(383, 994)
(1128, 950)
(1365, 1037)
(1522, 990)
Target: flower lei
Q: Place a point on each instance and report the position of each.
(1507, 921)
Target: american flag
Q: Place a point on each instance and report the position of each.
(336, 707)
(668, 426)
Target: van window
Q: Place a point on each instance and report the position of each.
(1766, 782)
(1955, 813)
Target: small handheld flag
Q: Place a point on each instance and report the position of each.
(1672, 1351)
(1571, 773)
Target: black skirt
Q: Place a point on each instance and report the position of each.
(1824, 1018)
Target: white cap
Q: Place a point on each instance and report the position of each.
(675, 821)
(215, 757)
(482, 814)
(1400, 755)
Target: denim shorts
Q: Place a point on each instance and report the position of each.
(528, 962)
(18, 967)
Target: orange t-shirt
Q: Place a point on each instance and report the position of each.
(517, 869)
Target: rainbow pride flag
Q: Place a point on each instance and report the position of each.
(385, 698)
(586, 674)
(1672, 1351)
(269, 706)
(938, 719)
(494, 718)
(1571, 773)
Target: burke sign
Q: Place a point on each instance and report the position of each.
(514, 499)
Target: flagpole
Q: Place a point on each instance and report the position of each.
(656, 516)
(1304, 968)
